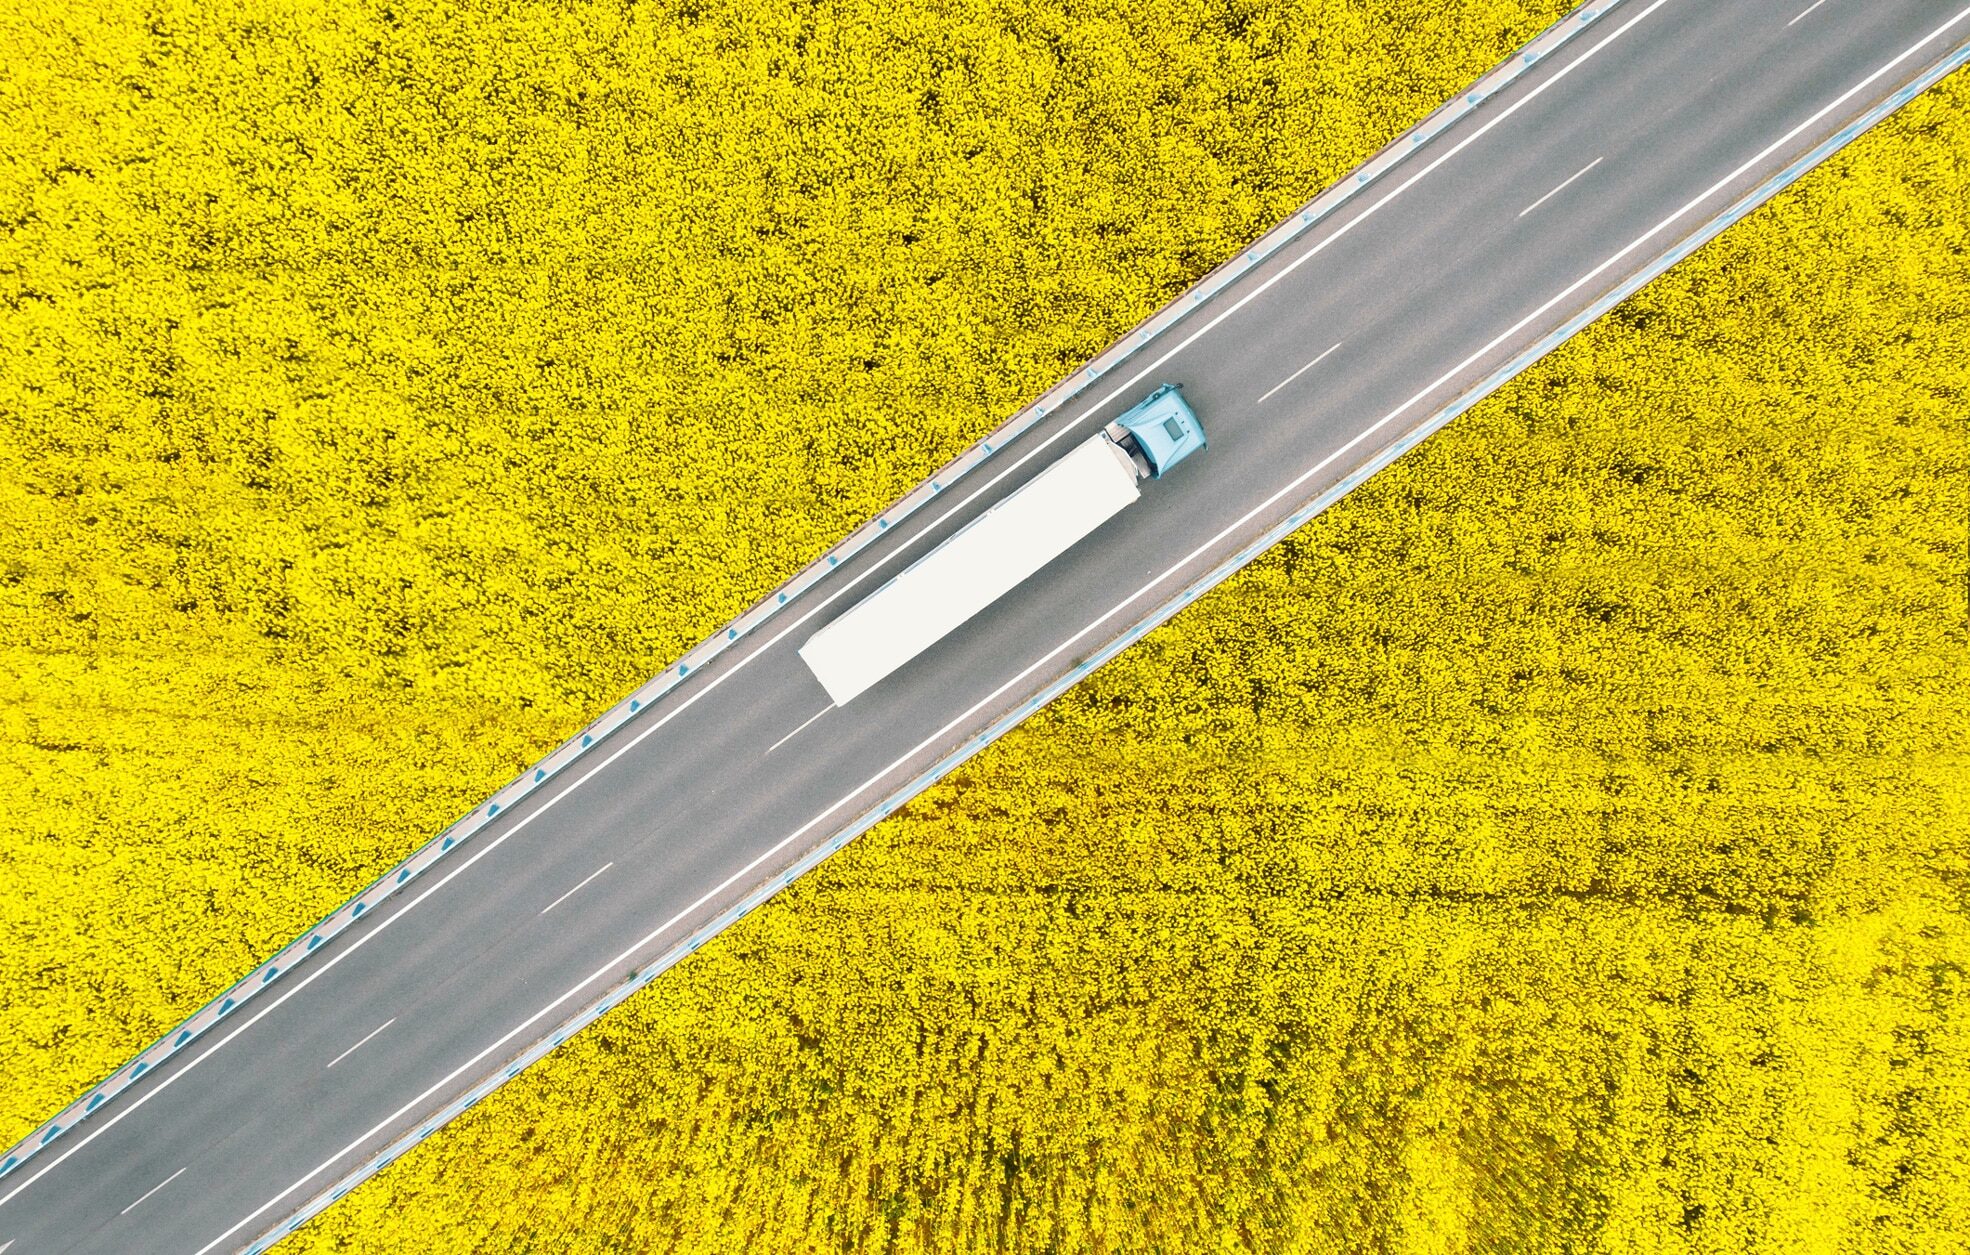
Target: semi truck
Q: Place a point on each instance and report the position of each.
(995, 552)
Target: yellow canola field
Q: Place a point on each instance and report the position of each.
(1558, 846)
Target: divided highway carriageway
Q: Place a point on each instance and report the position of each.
(1615, 152)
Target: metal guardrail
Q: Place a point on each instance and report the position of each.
(424, 857)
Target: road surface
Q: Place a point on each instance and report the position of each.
(1591, 169)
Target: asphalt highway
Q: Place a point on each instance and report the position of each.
(1587, 171)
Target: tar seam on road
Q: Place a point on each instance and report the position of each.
(1320, 245)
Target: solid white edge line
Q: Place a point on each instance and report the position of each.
(1537, 90)
(578, 888)
(1296, 374)
(791, 735)
(359, 1045)
(1562, 187)
(153, 1189)
(1808, 9)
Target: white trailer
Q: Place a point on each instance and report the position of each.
(992, 554)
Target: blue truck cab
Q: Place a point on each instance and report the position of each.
(1159, 431)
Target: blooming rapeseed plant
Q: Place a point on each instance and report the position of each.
(1557, 846)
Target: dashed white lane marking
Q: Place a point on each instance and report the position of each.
(1296, 374)
(1562, 187)
(578, 888)
(796, 732)
(147, 1193)
(365, 1041)
(1808, 9)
